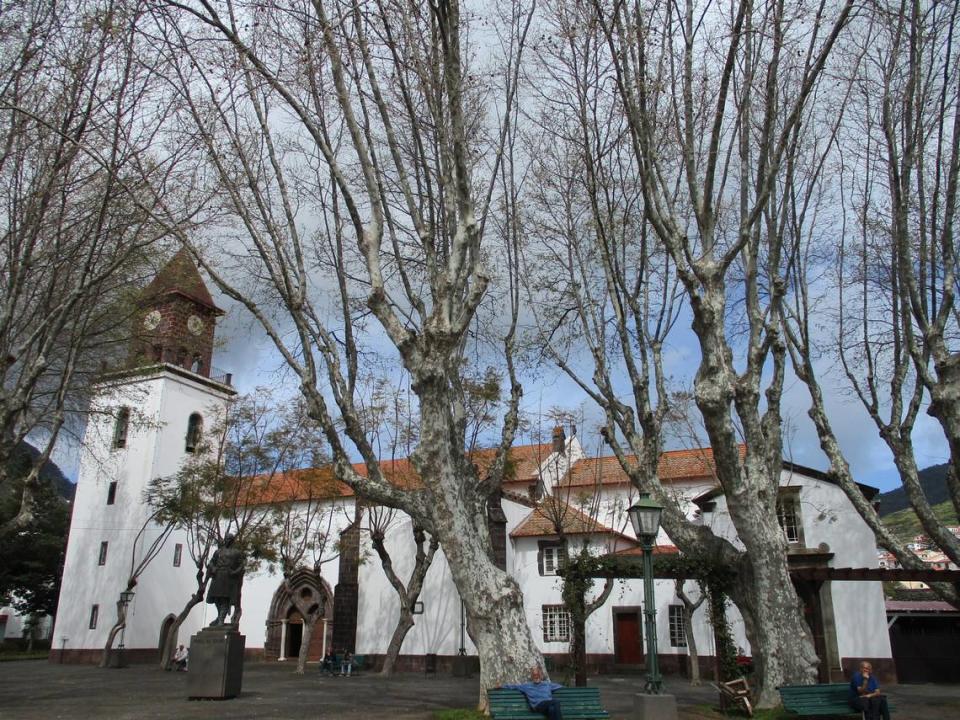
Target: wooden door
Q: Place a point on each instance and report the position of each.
(628, 637)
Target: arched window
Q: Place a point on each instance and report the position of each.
(194, 432)
(120, 428)
(197, 364)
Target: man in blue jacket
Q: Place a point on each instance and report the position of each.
(865, 694)
(539, 694)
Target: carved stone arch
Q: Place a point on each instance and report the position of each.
(165, 627)
(283, 610)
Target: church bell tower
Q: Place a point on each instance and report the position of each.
(175, 322)
(145, 421)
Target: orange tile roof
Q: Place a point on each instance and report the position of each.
(674, 465)
(523, 462)
(544, 518)
(320, 483)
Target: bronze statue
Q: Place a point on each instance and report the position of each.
(226, 578)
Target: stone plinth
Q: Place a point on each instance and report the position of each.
(654, 707)
(215, 670)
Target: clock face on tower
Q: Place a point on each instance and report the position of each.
(194, 325)
(152, 320)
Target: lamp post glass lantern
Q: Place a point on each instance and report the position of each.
(645, 518)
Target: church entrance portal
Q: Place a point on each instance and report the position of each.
(285, 621)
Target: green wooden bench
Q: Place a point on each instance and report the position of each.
(358, 663)
(576, 703)
(818, 700)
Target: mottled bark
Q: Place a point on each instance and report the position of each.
(689, 608)
(496, 620)
(308, 625)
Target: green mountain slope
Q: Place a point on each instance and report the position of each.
(905, 523)
(933, 481)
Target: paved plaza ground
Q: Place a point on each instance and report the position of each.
(31, 690)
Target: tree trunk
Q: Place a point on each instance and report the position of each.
(409, 593)
(119, 625)
(780, 639)
(308, 625)
(169, 647)
(496, 619)
(773, 618)
(689, 608)
(578, 649)
(396, 642)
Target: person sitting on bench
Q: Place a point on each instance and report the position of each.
(539, 694)
(865, 695)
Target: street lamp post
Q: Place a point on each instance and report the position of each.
(645, 517)
(125, 597)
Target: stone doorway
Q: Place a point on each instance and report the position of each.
(285, 623)
(294, 634)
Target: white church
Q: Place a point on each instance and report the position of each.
(147, 421)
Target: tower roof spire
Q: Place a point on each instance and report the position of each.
(180, 276)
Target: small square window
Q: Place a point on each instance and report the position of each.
(120, 428)
(94, 616)
(556, 623)
(102, 559)
(112, 493)
(177, 554)
(678, 634)
(552, 559)
(788, 515)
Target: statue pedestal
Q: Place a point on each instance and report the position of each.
(653, 707)
(215, 670)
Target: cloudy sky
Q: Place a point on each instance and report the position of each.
(245, 351)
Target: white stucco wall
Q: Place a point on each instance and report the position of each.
(161, 404)
(437, 629)
(830, 521)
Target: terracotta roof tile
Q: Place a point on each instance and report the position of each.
(523, 461)
(542, 522)
(674, 465)
(319, 483)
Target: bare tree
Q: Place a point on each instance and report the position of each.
(77, 123)
(381, 520)
(360, 143)
(888, 278)
(697, 107)
(137, 566)
(690, 606)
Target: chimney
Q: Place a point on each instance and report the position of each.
(559, 440)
